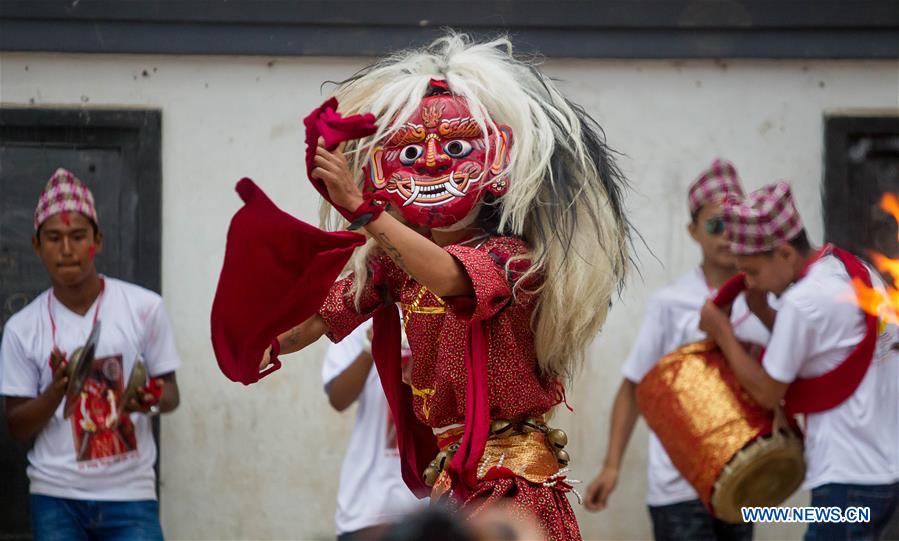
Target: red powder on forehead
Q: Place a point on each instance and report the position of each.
(64, 216)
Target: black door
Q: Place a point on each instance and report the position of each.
(117, 154)
(862, 164)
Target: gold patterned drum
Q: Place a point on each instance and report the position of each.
(733, 451)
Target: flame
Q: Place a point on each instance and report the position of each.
(890, 204)
(874, 302)
(885, 264)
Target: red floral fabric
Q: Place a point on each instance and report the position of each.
(436, 329)
(548, 505)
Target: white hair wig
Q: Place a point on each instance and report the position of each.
(565, 192)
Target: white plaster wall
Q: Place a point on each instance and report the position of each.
(262, 461)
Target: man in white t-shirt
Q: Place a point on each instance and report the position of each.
(672, 320)
(91, 474)
(826, 359)
(372, 492)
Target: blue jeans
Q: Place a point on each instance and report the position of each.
(691, 521)
(881, 499)
(62, 519)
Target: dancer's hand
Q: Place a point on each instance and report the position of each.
(332, 169)
(266, 358)
(600, 488)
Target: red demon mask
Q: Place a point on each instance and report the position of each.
(435, 168)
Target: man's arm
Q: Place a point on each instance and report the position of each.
(170, 397)
(764, 389)
(624, 418)
(27, 416)
(346, 387)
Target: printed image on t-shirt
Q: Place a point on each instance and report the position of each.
(102, 429)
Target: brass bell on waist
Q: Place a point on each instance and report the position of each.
(558, 438)
(562, 457)
(430, 476)
(500, 428)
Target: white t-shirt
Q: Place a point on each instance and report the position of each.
(372, 490)
(95, 454)
(817, 326)
(671, 321)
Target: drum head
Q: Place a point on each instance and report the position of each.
(763, 474)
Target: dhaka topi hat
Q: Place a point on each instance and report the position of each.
(762, 221)
(64, 193)
(713, 184)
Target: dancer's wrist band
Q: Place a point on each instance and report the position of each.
(365, 213)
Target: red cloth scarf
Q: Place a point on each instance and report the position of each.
(276, 274)
(829, 390)
(463, 468)
(415, 441)
(277, 269)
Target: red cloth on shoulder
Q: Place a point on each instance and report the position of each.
(276, 274)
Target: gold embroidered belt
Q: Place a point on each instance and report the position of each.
(527, 449)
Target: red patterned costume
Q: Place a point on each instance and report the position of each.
(436, 329)
(458, 136)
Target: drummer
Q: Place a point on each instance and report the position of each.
(671, 320)
(812, 366)
(91, 475)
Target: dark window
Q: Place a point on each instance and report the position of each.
(861, 164)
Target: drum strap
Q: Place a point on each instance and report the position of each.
(821, 393)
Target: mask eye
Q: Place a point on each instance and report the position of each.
(410, 153)
(457, 148)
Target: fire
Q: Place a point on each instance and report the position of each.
(890, 203)
(869, 299)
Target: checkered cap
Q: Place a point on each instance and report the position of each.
(64, 193)
(762, 221)
(713, 184)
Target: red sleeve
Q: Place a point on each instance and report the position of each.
(486, 267)
(339, 309)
